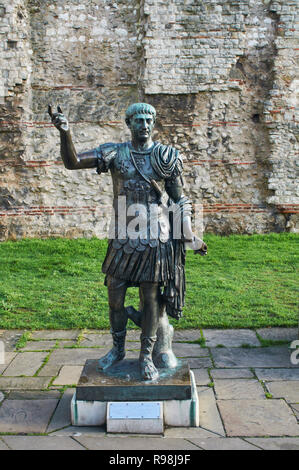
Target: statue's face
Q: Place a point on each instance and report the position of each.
(141, 126)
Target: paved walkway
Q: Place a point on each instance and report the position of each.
(248, 389)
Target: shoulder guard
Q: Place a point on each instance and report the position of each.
(106, 153)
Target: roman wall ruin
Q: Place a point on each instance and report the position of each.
(222, 75)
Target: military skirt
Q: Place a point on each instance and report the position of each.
(138, 261)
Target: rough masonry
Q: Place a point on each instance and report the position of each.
(221, 73)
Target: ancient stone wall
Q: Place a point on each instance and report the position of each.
(221, 73)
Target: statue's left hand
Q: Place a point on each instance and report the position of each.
(203, 250)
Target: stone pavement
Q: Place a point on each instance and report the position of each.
(248, 389)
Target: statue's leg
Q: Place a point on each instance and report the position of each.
(163, 355)
(149, 325)
(118, 321)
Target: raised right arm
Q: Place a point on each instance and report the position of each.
(71, 160)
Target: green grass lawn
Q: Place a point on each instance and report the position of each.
(244, 282)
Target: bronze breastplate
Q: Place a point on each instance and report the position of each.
(127, 181)
(131, 178)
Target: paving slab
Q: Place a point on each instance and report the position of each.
(186, 335)
(66, 344)
(201, 376)
(209, 417)
(81, 431)
(278, 443)
(55, 334)
(10, 338)
(134, 443)
(189, 350)
(258, 418)
(25, 363)
(231, 373)
(238, 389)
(3, 446)
(62, 416)
(278, 334)
(96, 331)
(276, 356)
(188, 433)
(230, 338)
(133, 335)
(39, 346)
(287, 389)
(42, 443)
(95, 340)
(49, 370)
(8, 357)
(68, 375)
(224, 443)
(277, 374)
(199, 362)
(75, 356)
(24, 383)
(133, 345)
(295, 408)
(33, 394)
(26, 416)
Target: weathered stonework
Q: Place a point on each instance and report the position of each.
(222, 75)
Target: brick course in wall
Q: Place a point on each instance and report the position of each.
(221, 74)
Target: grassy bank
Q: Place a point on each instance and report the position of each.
(244, 282)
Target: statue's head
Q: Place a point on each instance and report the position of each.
(140, 119)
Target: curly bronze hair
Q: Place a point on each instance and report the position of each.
(140, 108)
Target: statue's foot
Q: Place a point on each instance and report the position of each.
(111, 358)
(148, 370)
(165, 360)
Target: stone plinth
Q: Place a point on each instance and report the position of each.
(175, 390)
(122, 382)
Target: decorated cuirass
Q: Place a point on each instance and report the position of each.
(140, 217)
(132, 173)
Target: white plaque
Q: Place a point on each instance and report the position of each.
(135, 410)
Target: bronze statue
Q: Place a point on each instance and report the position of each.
(150, 258)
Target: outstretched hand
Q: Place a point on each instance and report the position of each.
(58, 119)
(203, 250)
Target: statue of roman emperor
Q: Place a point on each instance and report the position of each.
(151, 258)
